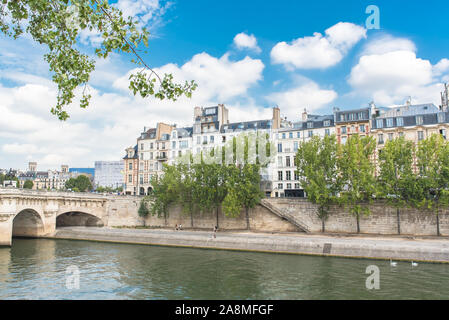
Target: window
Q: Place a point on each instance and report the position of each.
(298, 134)
(141, 156)
(295, 146)
(173, 145)
(290, 135)
(279, 175)
(183, 144)
(309, 125)
(443, 133)
(327, 123)
(198, 140)
(390, 136)
(279, 147)
(211, 139)
(381, 138)
(283, 136)
(280, 186)
(287, 161)
(362, 128)
(441, 117)
(310, 134)
(151, 145)
(351, 116)
(380, 123)
(342, 117)
(296, 175)
(173, 135)
(280, 161)
(420, 135)
(400, 122)
(327, 132)
(130, 178)
(205, 140)
(360, 115)
(288, 175)
(141, 146)
(130, 166)
(141, 179)
(296, 185)
(343, 130)
(419, 120)
(151, 155)
(389, 122)
(289, 186)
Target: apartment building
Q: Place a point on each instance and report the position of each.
(350, 122)
(131, 171)
(285, 179)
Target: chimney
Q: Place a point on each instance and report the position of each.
(196, 112)
(276, 118)
(32, 166)
(304, 115)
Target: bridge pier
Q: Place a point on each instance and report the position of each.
(5, 230)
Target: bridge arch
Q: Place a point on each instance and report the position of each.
(77, 218)
(28, 223)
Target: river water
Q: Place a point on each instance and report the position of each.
(37, 269)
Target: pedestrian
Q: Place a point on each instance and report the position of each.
(215, 232)
(180, 227)
(176, 227)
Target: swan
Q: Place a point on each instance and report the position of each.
(414, 264)
(393, 264)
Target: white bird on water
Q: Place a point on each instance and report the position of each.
(393, 264)
(414, 264)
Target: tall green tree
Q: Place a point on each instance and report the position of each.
(165, 191)
(28, 184)
(81, 183)
(357, 173)
(316, 162)
(396, 181)
(187, 187)
(59, 24)
(143, 210)
(433, 166)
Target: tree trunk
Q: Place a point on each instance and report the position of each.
(247, 218)
(438, 224)
(191, 218)
(165, 218)
(399, 220)
(358, 223)
(217, 217)
(323, 228)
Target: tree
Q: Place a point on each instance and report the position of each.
(28, 184)
(165, 191)
(397, 183)
(187, 185)
(79, 184)
(58, 24)
(316, 162)
(357, 173)
(433, 166)
(143, 210)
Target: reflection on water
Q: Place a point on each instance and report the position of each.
(36, 269)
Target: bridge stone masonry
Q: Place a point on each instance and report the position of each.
(26, 213)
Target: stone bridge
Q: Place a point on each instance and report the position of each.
(27, 213)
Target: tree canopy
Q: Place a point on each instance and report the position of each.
(81, 183)
(58, 25)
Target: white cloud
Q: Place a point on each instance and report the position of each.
(441, 67)
(244, 41)
(389, 71)
(113, 120)
(306, 95)
(318, 51)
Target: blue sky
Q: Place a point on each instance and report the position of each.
(249, 55)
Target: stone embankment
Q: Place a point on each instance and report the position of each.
(396, 248)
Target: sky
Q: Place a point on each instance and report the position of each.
(249, 55)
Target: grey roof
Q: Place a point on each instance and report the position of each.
(409, 121)
(362, 114)
(313, 122)
(184, 132)
(135, 154)
(149, 134)
(249, 125)
(409, 110)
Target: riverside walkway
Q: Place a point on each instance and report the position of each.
(371, 247)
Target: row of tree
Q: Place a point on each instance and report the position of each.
(352, 175)
(205, 185)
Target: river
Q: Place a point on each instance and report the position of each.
(37, 269)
